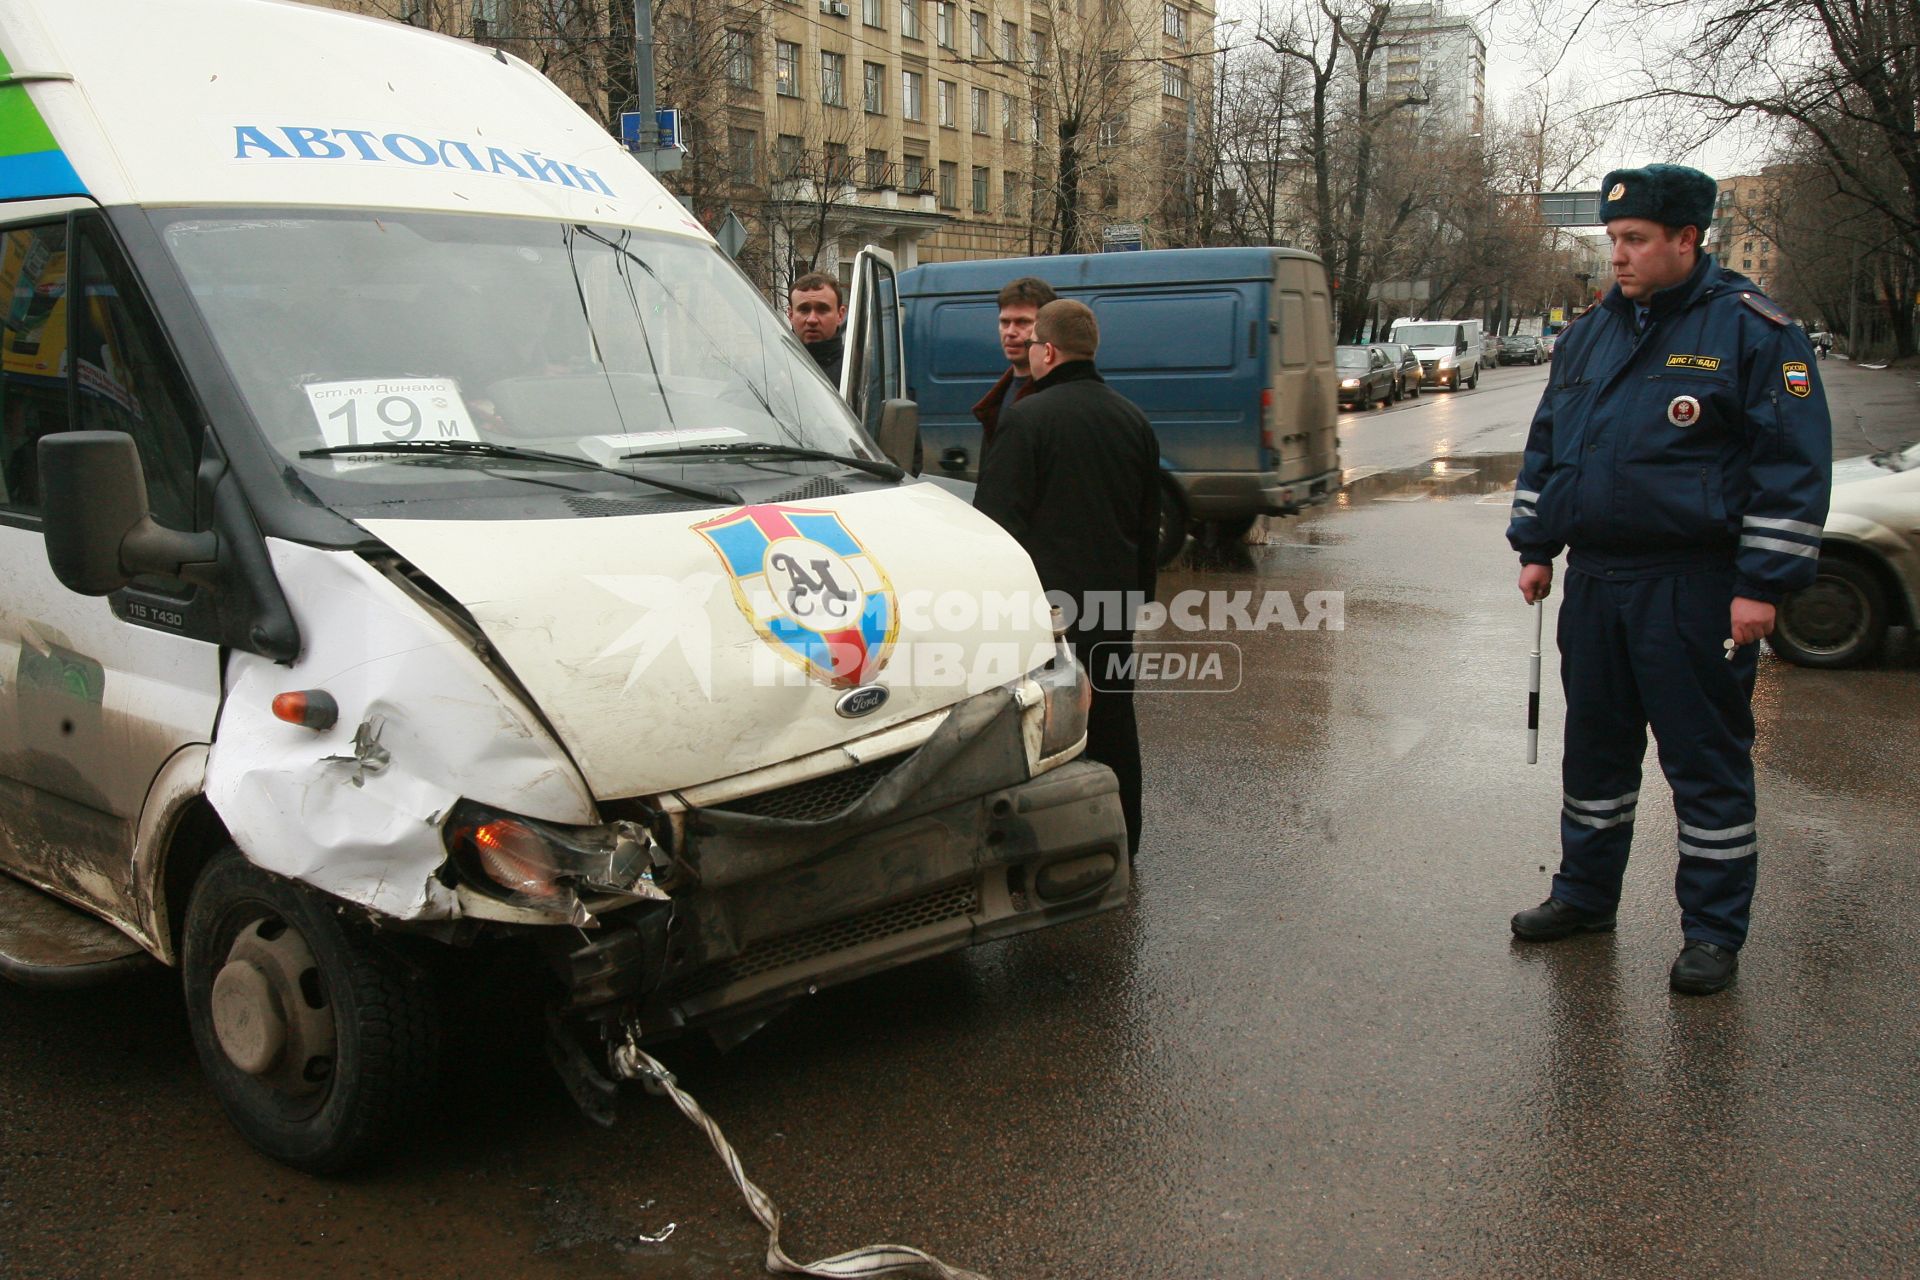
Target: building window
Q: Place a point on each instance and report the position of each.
(944, 17)
(981, 180)
(876, 167)
(977, 34)
(786, 68)
(1113, 131)
(949, 185)
(490, 20)
(1010, 117)
(1037, 50)
(787, 153)
(740, 58)
(873, 88)
(1747, 247)
(1010, 193)
(839, 164)
(949, 105)
(743, 155)
(1109, 194)
(833, 78)
(1173, 81)
(913, 176)
(910, 19)
(872, 12)
(1009, 42)
(1746, 264)
(1173, 21)
(980, 99)
(913, 103)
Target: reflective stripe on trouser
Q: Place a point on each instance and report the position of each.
(1650, 652)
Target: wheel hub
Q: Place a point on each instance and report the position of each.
(1825, 616)
(270, 1011)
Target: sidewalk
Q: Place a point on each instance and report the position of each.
(1873, 409)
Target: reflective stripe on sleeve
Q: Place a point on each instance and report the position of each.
(1784, 526)
(1775, 544)
(1525, 495)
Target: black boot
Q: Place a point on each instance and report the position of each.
(1553, 920)
(1703, 968)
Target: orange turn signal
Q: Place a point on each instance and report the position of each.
(309, 708)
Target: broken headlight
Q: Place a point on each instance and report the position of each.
(541, 864)
(1065, 695)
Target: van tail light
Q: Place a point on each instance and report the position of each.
(312, 709)
(1266, 418)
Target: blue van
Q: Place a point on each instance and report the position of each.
(1229, 352)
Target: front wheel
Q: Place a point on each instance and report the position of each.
(1839, 621)
(321, 1040)
(1474, 381)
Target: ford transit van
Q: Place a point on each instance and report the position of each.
(1229, 353)
(1450, 351)
(417, 536)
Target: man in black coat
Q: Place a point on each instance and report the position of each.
(1074, 476)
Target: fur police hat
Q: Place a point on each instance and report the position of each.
(1670, 194)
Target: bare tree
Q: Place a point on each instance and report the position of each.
(1841, 80)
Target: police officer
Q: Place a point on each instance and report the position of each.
(1682, 454)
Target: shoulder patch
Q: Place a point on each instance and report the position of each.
(1765, 306)
(1709, 363)
(1799, 381)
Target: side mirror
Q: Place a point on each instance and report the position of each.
(99, 533)
(900, 434)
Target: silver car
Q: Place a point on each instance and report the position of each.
(1869, 566)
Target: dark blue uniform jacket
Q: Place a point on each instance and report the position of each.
(1702, 441)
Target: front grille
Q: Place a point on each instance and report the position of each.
(818, 798)
(818, 487)
(954, 902)
(666, 502)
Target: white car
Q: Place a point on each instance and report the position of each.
(1869, 566)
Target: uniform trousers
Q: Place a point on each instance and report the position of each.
(1647, 651)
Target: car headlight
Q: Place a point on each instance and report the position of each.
(1065, 695)
(1446, 362)
(542, 864)
(1347, 384)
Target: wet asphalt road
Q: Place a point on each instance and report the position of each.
(1309, 1049)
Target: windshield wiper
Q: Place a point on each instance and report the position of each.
(885, 470)
(484, 449)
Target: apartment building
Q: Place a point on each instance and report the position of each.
(1742, 211)
(1440, 59)
(929, 127)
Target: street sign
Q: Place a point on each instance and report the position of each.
(666, 124)
(1122, 237)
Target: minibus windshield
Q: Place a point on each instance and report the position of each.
(1427, 335)
(608, 344)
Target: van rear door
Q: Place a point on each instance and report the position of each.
(1303, 412)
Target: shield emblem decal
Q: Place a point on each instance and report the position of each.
(809, 589)
(1799, 381)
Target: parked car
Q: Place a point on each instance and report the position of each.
(1520, 348)
(1407, 377)
(1366, 378)
(1869, 566)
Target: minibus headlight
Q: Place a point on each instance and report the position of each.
(1347, 384)
(1446, 362)
(1065, 695)
(542, 863)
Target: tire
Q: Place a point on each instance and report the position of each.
(343, 1031)
(1839, 621)
(1173, 522)
(1473, 383)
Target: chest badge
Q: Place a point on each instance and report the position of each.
(1799, 381)
(1683, 411)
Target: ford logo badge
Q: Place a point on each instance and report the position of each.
(865, 700)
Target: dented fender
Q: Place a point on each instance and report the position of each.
(356, 810)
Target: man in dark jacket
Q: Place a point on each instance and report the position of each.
(1683, 455)
(1020, 302)
(1074, 477)
(816, 309)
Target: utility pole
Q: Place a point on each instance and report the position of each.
(646, 144)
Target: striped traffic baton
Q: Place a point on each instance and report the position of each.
(1533, 687)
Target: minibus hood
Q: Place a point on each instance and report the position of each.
(666, 650)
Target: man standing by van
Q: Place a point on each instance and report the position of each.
(1682, 454)
(1020, 302)
(816, 309)
(1075, 478)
